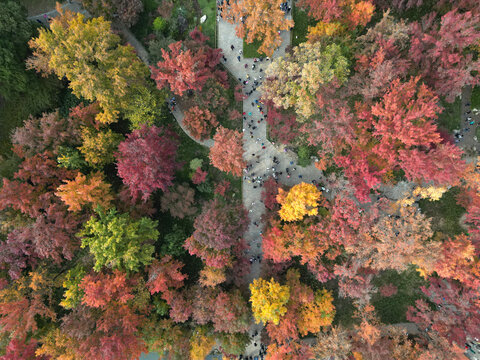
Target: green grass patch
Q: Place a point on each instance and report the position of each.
(393, 309)
(445, 213)
(475, 100)
(209, 8)
(251, 50)
(300, 29)
(450, 117)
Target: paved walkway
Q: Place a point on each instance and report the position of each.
(259, 152)
(72, 6)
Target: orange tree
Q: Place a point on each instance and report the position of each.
(258, 20)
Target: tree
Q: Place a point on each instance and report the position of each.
(47, 132)
(101, 290)
(188, 65)
(269, 300)
(92, 59)
(301, 200)
(283, 127)
(401, 128)
(165, 275)
(182, 70)
(51, 235)
(147, 107)
(455, 314)
(231, 313)
(128, 11)
(98, 147)
(85, 191)
(117, 241)
(218, 233)
(457, 261)
(351, 13)
(439, 50)
(227, 152)
(306, 311)
(334, 342)
(179, 201)
(146, 160)
(21, 349)
(212, 276)
(26, 300)
(233, 344)
(258, 20)
(15, 30)
(403, 240)
(315, 66)
(57, 345)
(199, 122)
(269, 193)
(164, 336)
(116, 335)
(213, 97)
(73, 294)
(201, 343)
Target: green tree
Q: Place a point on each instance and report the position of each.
(146, 107)
(91, 57)
(117, 241)
(73, 294)
(15, 30)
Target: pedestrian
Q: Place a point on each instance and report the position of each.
(238, 58)
(246, 66)
(232, 47)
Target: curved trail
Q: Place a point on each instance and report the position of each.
(140, 50)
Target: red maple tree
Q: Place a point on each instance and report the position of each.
(146, 160)
(227, 152)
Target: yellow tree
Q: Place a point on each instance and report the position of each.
(258, 20)
(92, 58)
(201, 343)
(269, 300)
(301, 200)
(314, 315)
(98, 147)
(91, 190)
(295, 80)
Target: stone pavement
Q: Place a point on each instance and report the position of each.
(69, 5)
(259, 152)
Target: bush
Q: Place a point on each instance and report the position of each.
(304, 154)
(160, 25)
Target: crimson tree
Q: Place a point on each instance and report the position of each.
(146, 160)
